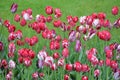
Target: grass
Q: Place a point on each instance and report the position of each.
(68, 7)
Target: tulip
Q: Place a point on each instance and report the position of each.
(40, 63)
(115, 10)
(11, 28)
(66, 77)
(6, 23)
(56, 55)
(49, 19)
(57, 12)
(60, 62)
(78, 46)
(57, 23)
(96, 72)
(72, 36)
(101, 15)
(84, 78)
(82, 20)
(104, 35)
(68, 67)
(53, 67)
(65, 43)
(109, 54)
(1, 46)
(65, 52)
(85, 68)
(23, 22)
(113, 64)
(11, 64)
(27, 62)
(75, 19)
(17, 18)
(35, 75)
(11, 48)
(49, 10)
(49, 61)
(29, 11)
(77, 66)
(14, 7)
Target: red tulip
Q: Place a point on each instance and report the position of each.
(77, 66)
(56, 55)
(19, 34)
(11, 28)
(23, 22)
(58, 38)
(108, 62)
(49, 10)
(41, 75)
(75, 19)
(57, 23)
(68, 67)
(101, 15)
(1, 46)
(85, 68)
(17, 18)
(113, 64)
(14, 7)
(84, 78)
(66, 77)
(101, 62)
(109, 54)
(65, 52)
(6, 23)
(115, 10)
(49, 19)
(104, 35)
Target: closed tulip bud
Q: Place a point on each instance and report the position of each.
(14, 7)
(115, 10)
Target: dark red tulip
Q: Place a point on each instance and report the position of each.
(65, 52)
(84, 78)
(68, 67)
(49, 10)
(14, 7)
(1, 46)
(115, 10)
(17, 18)
(104, 35)
(66, 77)
(23, 22)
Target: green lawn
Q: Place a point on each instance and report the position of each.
(68, 7)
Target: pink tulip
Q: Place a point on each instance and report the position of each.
(17, 18)
(115, 10)
(65, 52)
(78, 46)
(49, 10)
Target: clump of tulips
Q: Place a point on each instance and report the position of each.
(59, 58)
